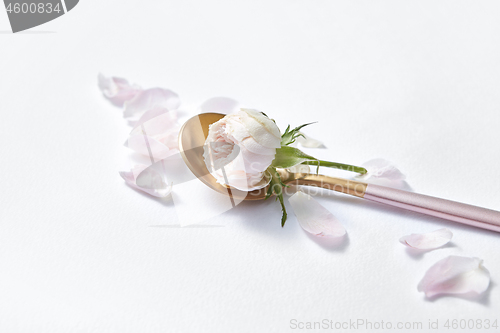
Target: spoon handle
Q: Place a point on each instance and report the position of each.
(446, 209)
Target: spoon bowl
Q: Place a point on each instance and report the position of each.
(192, 138)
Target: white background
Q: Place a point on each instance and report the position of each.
(415, 82)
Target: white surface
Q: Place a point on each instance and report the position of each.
(414, 82)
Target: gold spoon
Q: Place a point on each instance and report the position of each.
(192, 138)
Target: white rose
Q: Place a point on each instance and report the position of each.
(242, 145)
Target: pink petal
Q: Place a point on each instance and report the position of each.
(309, 142)
(161, 125)
(313, 217)
(149, 99)
(219, 105)
(156, 133)
(156, 112)
(150, 182)
(117, 89)
(455, 275)
(428, 241)
(143, 144)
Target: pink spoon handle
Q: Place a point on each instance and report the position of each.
(446, 209)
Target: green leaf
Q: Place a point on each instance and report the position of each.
(287, 157)
(290, 135)
(284, 215)
(276, 187)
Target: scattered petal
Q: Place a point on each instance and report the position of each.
(383, 172)
(150, 181)
(155, 112)
(428, 241)
(156, 134)
(380, 168)
(309, 142)
(117, 89)
(143, 144)
(455, 275)
(149, 99)
(220, 105)
(313, 217)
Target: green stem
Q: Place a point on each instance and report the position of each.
(335, 165)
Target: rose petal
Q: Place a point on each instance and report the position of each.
(150, 181)
(139, 143)
(160, 124)
(149, 99)
(428, 241)
(254, 162)
(157, 128)
(116, 89)
(309, 142)
(171, 117)
(455, 275)
(261, 128)
(383, 172)
(220, 105)
(380, 168)
(313, 217)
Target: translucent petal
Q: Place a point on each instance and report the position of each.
(116, 89)
(455, 275)
(149, 181)
(149, 99)
(380, 168)
(309, 142)
(313, 217)
(428, 241)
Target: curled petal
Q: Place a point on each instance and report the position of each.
(428, 241)
(313, 217)
(220, 105)
(149, 99)
(308, 142)
(455, 275)
(383, 172)
(253, 146)
(261, 128)
(117, 89)
(380, 168)
(147, 180)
